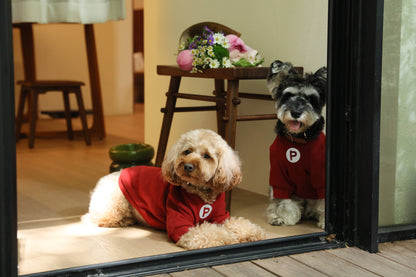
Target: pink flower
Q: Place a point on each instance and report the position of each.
(236, 43)
(185, 59)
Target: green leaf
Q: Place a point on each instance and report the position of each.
(220, 52)
(243, 63)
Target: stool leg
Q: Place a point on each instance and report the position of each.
(167, 118)
(83, 117)
(19, 117)
(220, 92)
(68, 119)
(33, 116)
(231, 124)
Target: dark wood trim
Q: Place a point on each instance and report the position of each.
(354, 66)
(8, 210)
(354, 63)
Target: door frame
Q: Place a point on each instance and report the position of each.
(353, 139)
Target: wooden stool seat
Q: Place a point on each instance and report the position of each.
(226, 101)
(30, 91)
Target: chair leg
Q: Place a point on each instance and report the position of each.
(19, 117)
(231, 125)
(33, 116)
(65, 95)
(220, 92)
(83, 117)
(167, 118)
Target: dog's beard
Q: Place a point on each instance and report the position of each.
(296, 125)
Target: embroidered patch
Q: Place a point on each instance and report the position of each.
(205, 211)
(293, 155)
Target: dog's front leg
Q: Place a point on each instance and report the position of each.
(206, 235)
(285, 211)
(315, 208)
(244, 230)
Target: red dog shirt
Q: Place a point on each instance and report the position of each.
(165, 206)
(298, 169)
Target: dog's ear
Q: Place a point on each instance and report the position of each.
(168, 165)
(320, 81)
(321, 74)
(228, 173)
(279, 71)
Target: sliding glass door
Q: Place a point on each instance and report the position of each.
(398, 115)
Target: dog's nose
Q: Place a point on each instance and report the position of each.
(295, 114)
(189, 167)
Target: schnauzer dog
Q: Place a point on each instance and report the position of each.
(297, 156)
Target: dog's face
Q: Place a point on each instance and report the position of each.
(202, 163)
(299, 99)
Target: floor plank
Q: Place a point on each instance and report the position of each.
(288, 267)
(398, 253)
(331, 265)
(373, 262)
(243, 269)
(409, 244)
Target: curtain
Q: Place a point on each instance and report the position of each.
(71, 11)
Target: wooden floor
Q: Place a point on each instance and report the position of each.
(54, 180)
(394, 259)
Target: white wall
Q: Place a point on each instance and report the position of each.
(294, 31)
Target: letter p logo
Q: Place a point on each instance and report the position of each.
(293, 155)
(205, 211)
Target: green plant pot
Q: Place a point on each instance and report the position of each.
(139, 153)
(119, 166)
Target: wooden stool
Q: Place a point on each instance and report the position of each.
(226, 102)
(29, 93)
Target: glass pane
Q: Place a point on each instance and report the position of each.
(398, 115)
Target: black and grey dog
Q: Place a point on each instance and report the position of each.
(297, 156)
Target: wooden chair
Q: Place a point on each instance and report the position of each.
(226, 101)
(30, 91)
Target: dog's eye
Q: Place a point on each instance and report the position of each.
(187, 152)
(206, 156)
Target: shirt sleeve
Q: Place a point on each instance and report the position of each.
(179, 217)
(278, 177)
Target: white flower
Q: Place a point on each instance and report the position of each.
(219, 38)
(226, 62)
(225, 44)
(214, 63)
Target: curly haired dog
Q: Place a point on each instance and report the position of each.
(297, 156)
(186, 197)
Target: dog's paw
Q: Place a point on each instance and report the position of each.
(284, 212)
(315, 209)
(244, 230)
(321, 222)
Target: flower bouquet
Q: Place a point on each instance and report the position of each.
(214, 49)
